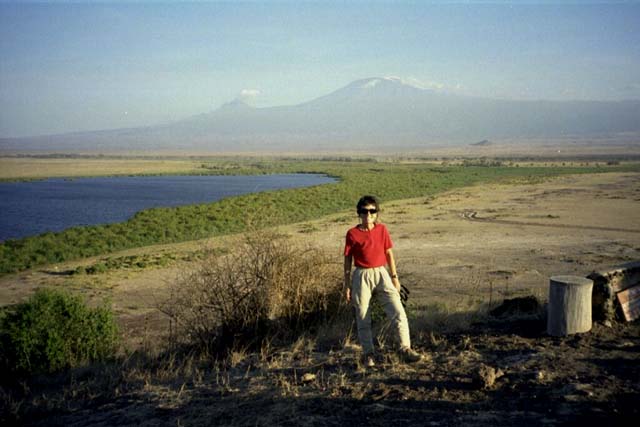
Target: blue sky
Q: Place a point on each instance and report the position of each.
(68, 66)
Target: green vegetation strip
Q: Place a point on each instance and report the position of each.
(388, 181)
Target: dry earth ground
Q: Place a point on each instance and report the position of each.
(15, 168)
(487, 242)
(457, 252)
(467, 247)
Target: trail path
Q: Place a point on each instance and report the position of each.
(473, 216)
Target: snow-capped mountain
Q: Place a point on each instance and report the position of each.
(374, 112)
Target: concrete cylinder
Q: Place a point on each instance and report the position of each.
(569, 309)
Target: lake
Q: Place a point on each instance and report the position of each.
(35, 207)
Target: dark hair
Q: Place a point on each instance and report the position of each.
(368, 200)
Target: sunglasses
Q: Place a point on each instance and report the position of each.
(366, 211)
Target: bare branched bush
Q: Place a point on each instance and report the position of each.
(264, 289)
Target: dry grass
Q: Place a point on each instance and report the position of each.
(276, 310)
(266, 289)
(22, 168)
(284, 383)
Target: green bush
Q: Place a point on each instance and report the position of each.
(54, 330)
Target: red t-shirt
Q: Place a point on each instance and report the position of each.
(368, 248)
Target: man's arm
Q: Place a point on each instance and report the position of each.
(391, 262)
(348, 261)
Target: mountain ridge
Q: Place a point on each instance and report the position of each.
(370, 112)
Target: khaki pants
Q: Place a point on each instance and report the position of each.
(366, 282)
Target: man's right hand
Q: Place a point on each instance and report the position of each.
(347, 295)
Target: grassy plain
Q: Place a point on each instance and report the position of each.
(387, 180)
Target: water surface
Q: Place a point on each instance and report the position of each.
(35, 207)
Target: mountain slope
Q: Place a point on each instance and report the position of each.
(371, 112)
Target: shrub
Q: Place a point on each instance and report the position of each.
(54, 330)
(264, 290)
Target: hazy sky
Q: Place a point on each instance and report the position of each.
(84, 66)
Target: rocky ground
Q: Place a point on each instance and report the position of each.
(504, 372)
